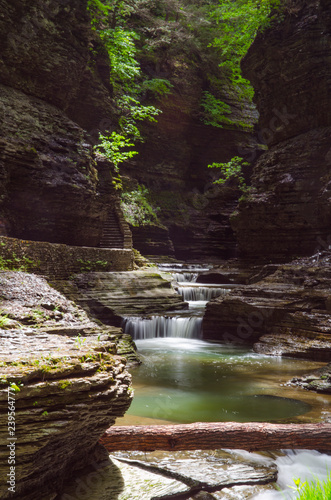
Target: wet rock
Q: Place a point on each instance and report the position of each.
(318, 380)
(202, 495)
(111, 296)
(67, 383)
(122, 481)
(204, 472)
(285, 313)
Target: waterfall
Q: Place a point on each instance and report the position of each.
(185, 277)
(180, 268)
(162, 326)
(201, 292)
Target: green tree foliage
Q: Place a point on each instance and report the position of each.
(109, 18)
(137, 208)
(239, 22)
(215, 110)
(233, 169)
(115, 147)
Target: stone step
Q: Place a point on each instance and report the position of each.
(112, 236)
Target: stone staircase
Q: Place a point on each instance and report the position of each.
(112, 236)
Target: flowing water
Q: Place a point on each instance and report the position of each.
(163, 326)
(183, 379)
(201, 292)
(188, 380)
(297, 464)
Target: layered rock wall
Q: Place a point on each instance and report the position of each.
(286, 313)
(67, 384)
(288, 211)
(61, 261)
(173, 160)
(54, 89)
(110, 297)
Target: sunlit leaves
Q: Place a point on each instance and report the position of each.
(239, 22)
(115, 148)
(232, 170)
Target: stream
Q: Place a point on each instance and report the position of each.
(184, 379)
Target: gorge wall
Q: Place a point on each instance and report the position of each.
(172, 162)
(67, 374)
(68, 382)
(288, 210)
(55, 86)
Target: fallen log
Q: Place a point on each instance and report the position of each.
(210, 436)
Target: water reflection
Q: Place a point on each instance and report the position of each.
(188, 380)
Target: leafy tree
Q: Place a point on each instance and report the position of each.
(232, 170)
(136, 207)
(238, 23)
(215, 110)
(109, 19)
(115, 147)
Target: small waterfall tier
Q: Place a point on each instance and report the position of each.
(187, 273)
(186, 277)
(180, 268)
(202, 292)
(163, 326)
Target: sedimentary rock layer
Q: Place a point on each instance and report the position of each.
(54, 94)
(287, 313)
(287, 213)
(111, 296)
(66, 383)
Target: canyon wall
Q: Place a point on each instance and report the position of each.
(54, 89)
(173, 160)
(67, 383)
(287, 213)
(288, 210)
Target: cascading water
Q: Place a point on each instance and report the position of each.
(181, 325)
(201, 293)
(163, 326)
(181, 268)
(187, 380)
(185, 277)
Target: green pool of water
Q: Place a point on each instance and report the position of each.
(188, 380)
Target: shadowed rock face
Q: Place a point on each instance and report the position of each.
(289, 207)
(287, 313)
(49, 51)
(54, 87)
(173, 161)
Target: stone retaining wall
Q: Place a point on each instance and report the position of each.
(61, 261)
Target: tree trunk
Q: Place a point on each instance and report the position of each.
(211, 436)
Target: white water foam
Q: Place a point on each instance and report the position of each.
(162, 326)
(304, 464)
(201, 293)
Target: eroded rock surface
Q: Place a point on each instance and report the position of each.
(286, 313)
(318, 380)
(110, 297)
(288, 210)
(66, 379)
(54, 94)
(158, 475)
